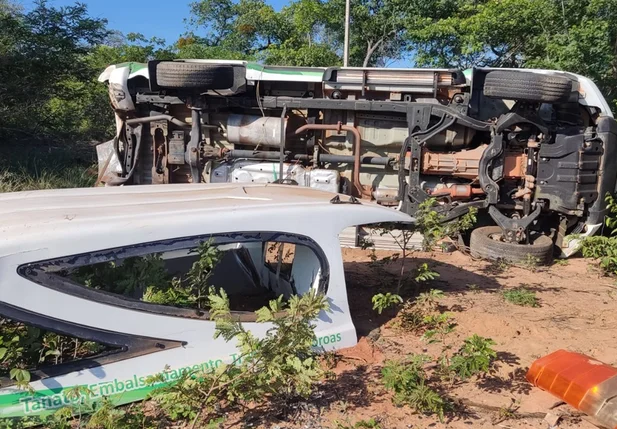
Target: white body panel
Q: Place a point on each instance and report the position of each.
(41, 225)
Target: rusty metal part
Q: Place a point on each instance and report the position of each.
(175, 121)
(177, 146)
(458, 191)
(514, 164)
(159, 131)
(355, 179)
(460, 164)
(466, 163)
(523, 192)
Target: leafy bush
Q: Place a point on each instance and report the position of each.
(437, 326)
(521, 296)
(23, 347)
(279, 366)
(424, 273)
(382, 301)
(408, 380)
(430, 300)
(474, 357)
(146, 278)
(604, 248)
(130, 277)
(422, 316)
(431, 223)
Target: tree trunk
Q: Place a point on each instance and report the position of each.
(370, 49)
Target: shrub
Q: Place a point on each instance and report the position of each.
(407, 379)
(432, 226)
(521, 296)
(383, 301)
(604, 248)
(474, 357)
(279, 366)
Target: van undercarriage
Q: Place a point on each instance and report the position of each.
(534, 150)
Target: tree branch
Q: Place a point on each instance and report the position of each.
(370, 50)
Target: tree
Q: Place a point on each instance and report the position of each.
(573, 35)
(247, 27)
(43, 63)
(305, 32)
(253, 30)
(377, 29)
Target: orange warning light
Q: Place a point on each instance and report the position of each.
(581, 381)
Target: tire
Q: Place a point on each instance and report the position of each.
(179, 75)
(527, 86)
(483, 246)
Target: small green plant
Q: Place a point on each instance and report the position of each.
(437, 326)
(61, 419)
(473, 287)
(611, 219)
(474, 357)
(604, 248)
(106, 416)
(361, 424)
(432, 226)
(497, 266)
(383, 301)
(561, 262)
(521, 296)
(508, 413)
(366, 243)
(531, 262)
(407, 379)
(424, 273)
(430, 300)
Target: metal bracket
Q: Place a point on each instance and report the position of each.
(413, 194)
(514, 229)
(461, 209)
(282, 148)
(352, 200)
(512, 118)
(160, 172)
(192, 155)
(282, 181)
(494, 150)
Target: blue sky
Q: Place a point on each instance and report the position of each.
(161, 18)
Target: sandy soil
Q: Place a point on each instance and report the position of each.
(577, 312)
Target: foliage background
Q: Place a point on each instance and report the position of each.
(50, 57)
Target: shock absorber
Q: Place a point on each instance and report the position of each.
(530, 173)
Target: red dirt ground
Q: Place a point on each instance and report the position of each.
(577, 312)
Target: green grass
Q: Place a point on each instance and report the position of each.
(521, 296)
(49, 178)
(32, 167)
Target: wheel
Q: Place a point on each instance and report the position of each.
(180, 75)
(485, 243)
(527, 86)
